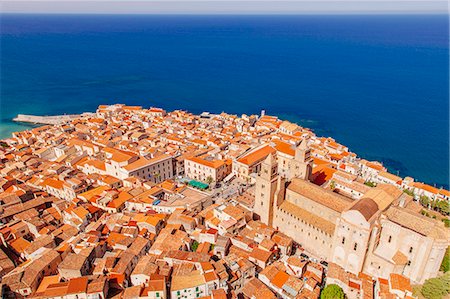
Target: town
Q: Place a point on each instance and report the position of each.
(133, 202)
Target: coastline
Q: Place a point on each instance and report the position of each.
(30, 123)
(380, 89)
(235, 155)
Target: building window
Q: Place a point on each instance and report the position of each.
(389, 239)
(355, 246)
(410, 249)
(343, 240)
(409, 263)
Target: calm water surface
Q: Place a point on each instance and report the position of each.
(378, 84)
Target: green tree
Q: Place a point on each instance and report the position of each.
(424, 201)
(194, 246)
(445, 266)
(409, 192)
(333, 185)
(446, 222)
(209, 180)
(370, 184)
(332, 291)
(433, 204)
(443, 207)
(436, 288)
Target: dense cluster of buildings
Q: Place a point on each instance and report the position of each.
(140, 203)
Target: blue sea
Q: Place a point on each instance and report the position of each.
(378, 84)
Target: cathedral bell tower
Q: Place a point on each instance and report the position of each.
(266, 186)
(301, 166)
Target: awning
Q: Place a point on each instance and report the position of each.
(198, 184)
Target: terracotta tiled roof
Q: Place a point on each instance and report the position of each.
(399, 258)
(77, 285)
(399, 282)
(280, 279)
(314, 220)
(366, 206)
(426, 187)
(383, 195)
(421, 224)
(212, 164)
(322, 173)
(320, 195)
(20, 245)
(257, 156)
(284, 147)
(254, 288)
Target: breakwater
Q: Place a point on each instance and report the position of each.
(48, 120)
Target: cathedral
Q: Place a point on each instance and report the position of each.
(379, 234)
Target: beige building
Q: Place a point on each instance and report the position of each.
(26, 278)
(123, 164)
(76, 265)
(303, 211)
(352, 233)
(407, 243)
(249, 164)
(193, 285)
(156, 170)
(308, 214)
(293, 161)
(206, 168)
(378, 234)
